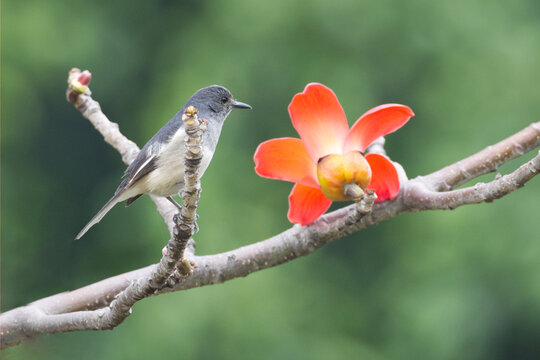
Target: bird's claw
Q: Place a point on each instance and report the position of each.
(195, 225)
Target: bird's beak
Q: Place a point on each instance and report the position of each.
(240, 105)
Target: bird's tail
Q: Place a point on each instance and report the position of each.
(101, 213)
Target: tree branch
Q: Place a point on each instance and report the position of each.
(34, 320)
(377, 147)
(87, 307)
(485, 161)
(421, 197)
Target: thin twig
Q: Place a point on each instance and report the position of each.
(91, 110)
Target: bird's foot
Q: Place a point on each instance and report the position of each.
(196, 225)
(174, 202)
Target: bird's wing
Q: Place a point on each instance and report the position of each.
(139, 168)
(147, 159)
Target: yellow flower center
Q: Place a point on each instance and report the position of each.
(336, 174)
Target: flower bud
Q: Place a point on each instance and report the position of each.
(80, 84)
(336, 174)
(85, 77)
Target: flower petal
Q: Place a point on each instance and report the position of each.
(384, 177)
(285, 159)
(306, 204)
(379, 121)
(319, 119)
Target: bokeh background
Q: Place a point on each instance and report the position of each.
(461, 284)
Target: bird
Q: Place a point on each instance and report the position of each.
(158, 169)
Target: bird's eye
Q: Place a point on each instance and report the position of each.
(224, 100)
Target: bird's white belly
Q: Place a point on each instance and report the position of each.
(168, 177)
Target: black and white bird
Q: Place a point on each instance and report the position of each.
(158, 169)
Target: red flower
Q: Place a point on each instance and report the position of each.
(328, 154)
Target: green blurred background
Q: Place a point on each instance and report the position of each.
(461, 284)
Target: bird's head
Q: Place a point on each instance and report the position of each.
(215, 102)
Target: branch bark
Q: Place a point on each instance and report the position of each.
(91, 307)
